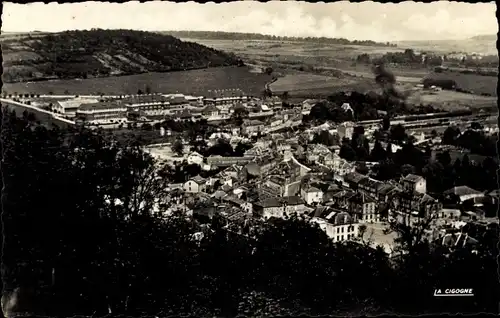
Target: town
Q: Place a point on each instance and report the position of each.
(256, 157)
(286, 159)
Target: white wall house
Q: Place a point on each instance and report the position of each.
(414, 183)
(195, 185)
(338, 225)
(312, 195)
(195, 158)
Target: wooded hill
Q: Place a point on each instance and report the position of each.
(234, 36)
(100, 53)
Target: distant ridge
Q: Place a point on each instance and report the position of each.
(219, 35)
(485, 37)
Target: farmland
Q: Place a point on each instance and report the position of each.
(472, 82)
(189, 82)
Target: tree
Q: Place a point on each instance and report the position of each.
(386, 123)
(450, 135)
(178, 147)
(444, 158)
(347, 152)
(398, 133)
(378, 153)
(241, 148)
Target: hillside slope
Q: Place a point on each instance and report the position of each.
(101, 53)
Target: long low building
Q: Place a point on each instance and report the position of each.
(220, 161)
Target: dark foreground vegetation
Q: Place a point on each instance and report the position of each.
(99, 53)
(70, 250)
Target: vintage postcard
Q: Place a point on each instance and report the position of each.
(249, 159)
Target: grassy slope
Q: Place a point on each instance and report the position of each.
(97, 53)
(193, 81)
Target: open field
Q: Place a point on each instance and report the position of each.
(475, 83)
(451, 100)
(478, 45)
(323, 59)
(293, 48)
(189, 82)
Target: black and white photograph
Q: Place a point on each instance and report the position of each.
(249, 159)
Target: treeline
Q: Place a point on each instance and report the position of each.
(81, 54)
(364, 107)
(83, 235)
(408, 57)
(218, 35)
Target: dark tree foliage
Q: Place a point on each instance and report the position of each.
(99, 247)
(221, 148)
(241, 148)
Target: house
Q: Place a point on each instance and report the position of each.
(387, 191)
(316, 151)
(307, 105)
(353, 179)
(210, 112)
(345, 130)
(413, 183)
(311, 195)
(232, 171)
(463, 193)
(253, 127)
(363, 208)
(408, 207)
(370, 186)
(341, 198)
(195, 185)
(338, 225)
(278, 207)
(281, 185)
(195, 158)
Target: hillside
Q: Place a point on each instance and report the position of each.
(484, 44)
(235, 36)
(485, 37)
(101, 53)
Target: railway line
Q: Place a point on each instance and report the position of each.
(434, 119)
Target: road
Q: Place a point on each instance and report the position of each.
(41, 115)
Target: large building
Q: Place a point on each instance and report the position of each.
(152, 105)
(69, 107)
(224, 97)
(104, 112)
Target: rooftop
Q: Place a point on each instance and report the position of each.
(101, 105)
(412, 178)
(462, 190)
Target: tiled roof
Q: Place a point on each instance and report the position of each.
(354, 177)
(461, 190)
(198, 180)
(412, 178)
(225, 93)
(101, 105)
(361, 198)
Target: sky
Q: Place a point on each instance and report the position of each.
(441, 20)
